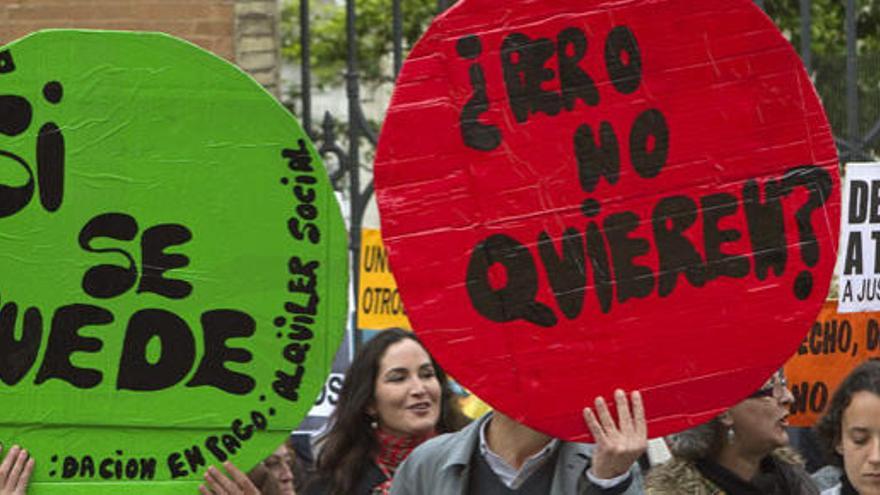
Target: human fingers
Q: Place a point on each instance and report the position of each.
(244, 483)
(641, 426)
(624, 419)
(204, 491)
(605, 417)
(22, 485)
(218, 483)
(594, 426)
(6, 465)
(17, 468)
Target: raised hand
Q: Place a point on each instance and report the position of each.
(221, 484)
(15, 471)
(619, 445)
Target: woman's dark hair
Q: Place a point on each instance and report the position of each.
(865, 378)
(350, 442)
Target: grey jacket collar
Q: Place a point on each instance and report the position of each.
(571, 455)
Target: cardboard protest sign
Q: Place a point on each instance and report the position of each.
(173, 263)
(835, 344)
(379, 304)
(860, 238)
(579, 196)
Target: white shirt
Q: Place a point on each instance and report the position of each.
(513, 478)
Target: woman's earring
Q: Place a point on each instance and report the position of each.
(731, 435)
(374, 422)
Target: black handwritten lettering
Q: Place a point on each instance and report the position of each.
(156, 262)
(597, 253)
(818, 184)
(65, 339)
(15, 118)
(766, 224)
(230, 443)
(286, 385)
(677, 255)
(625, 71)
(242, 432)
(298, 159)
(213, 445)
(176, 466)
(614, 252)
(566, 271)
(633, 281)
(517, 298)
(596, 160)
(50, 166)
(178, 350)
(720, 264)
(523, 63)
(107, 281)
(576, 84)
(194, 458)
(218, 326)
(649, 143)
(18, 356)
(476, 134)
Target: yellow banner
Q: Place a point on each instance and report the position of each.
(379, 304)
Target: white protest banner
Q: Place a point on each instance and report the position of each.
(860, 239)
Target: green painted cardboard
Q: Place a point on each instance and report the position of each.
(173, 266)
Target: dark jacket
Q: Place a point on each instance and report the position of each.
(369, 477)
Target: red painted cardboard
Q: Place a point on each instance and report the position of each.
(580, 196)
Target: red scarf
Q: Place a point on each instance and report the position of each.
(392, 451)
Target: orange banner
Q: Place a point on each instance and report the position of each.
(834, 345)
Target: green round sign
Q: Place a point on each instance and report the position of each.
(173, 264)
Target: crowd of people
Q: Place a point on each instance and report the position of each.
(397, 430)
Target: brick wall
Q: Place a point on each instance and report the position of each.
(211, 24)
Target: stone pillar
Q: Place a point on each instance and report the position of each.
(258, 41)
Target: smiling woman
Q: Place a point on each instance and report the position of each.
(407, 392)
(394, 398)
(742, 451)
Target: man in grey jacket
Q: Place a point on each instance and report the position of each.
(497, 455)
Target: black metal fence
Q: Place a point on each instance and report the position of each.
(840, 84)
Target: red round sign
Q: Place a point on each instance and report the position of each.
(580, 197)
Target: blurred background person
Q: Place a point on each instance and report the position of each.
(741, 451)
(394, 397)
(277, 474)
(850, 434)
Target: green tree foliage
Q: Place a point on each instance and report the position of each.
(374, 34)
(828, 60)
(828, 43)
